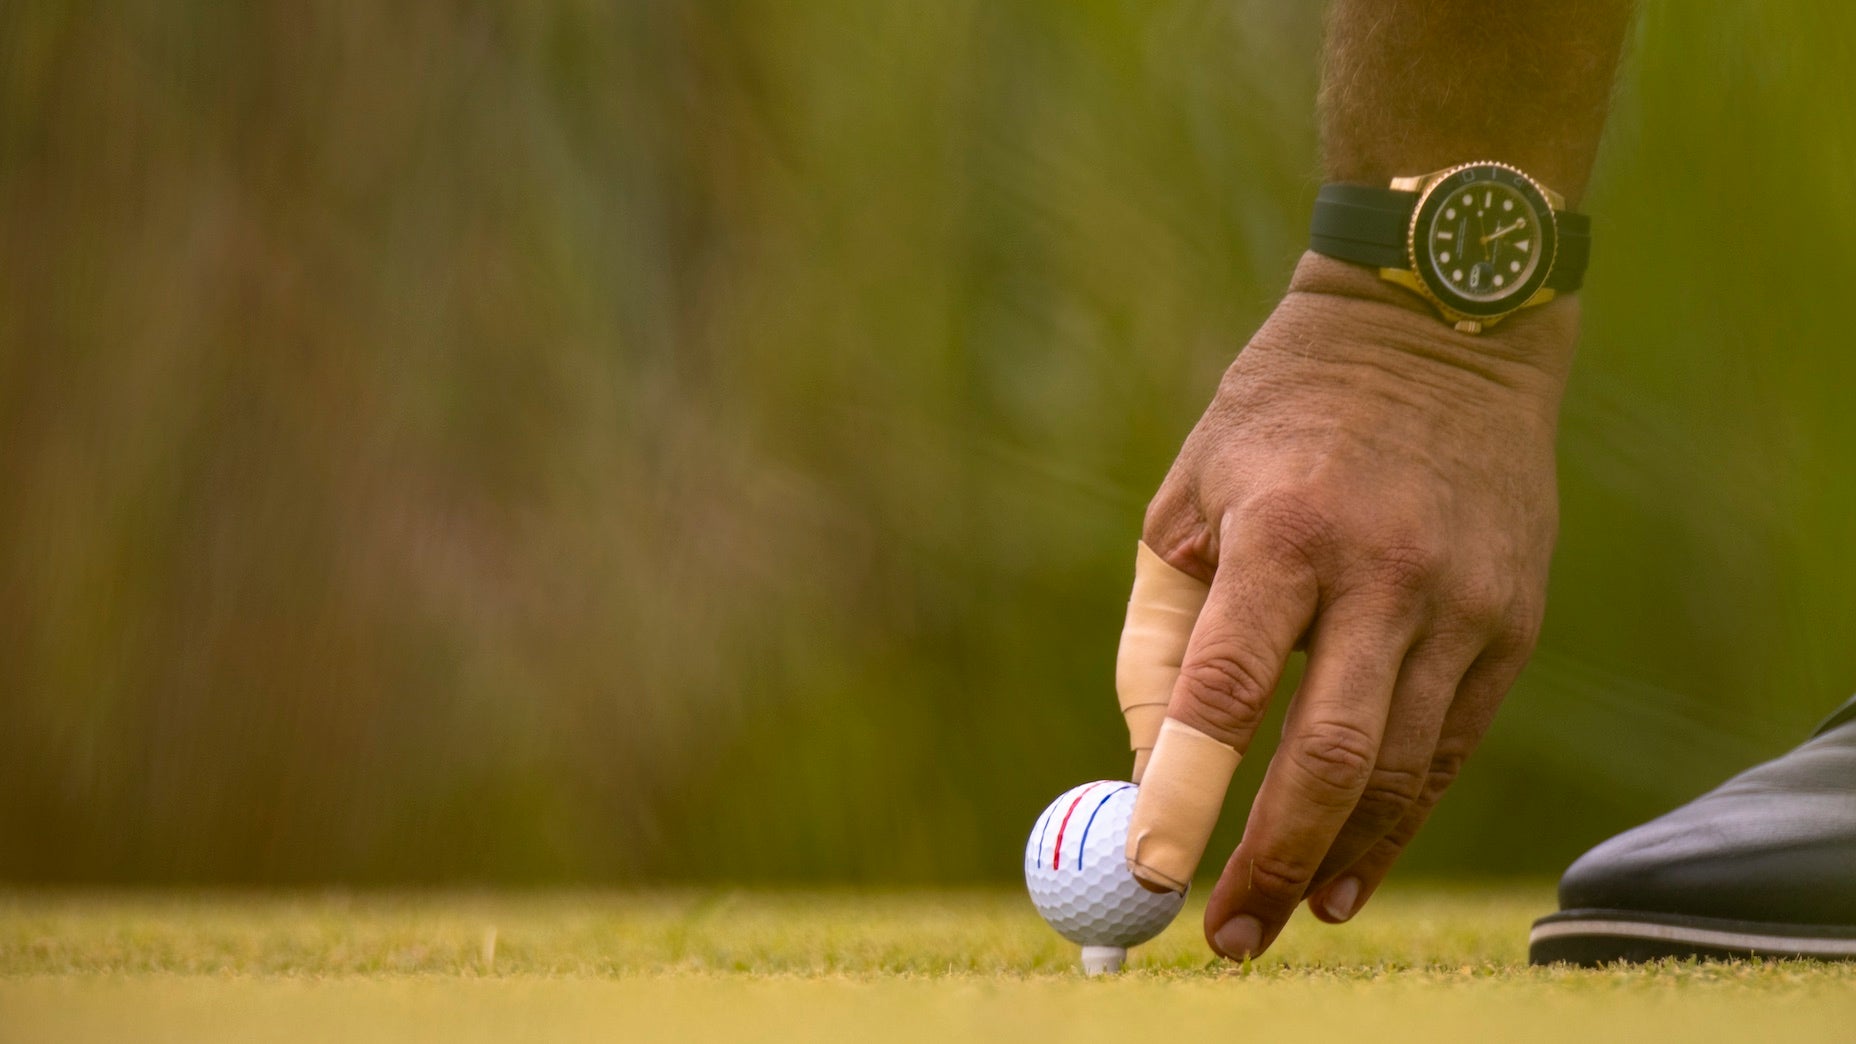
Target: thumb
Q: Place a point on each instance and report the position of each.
(1162, 610)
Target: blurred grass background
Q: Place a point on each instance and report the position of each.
(667, 441)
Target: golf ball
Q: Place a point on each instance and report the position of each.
(1078, 875)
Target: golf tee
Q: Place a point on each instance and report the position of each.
(1103, 960)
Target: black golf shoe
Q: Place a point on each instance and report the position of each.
(1762, 866)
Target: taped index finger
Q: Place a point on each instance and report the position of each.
(1162, 610)
(1258, 605)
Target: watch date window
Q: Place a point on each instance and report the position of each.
(1484, 241)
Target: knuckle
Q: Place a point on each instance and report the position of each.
(1389, 794)
(1446, 766)
(1169, 513)
(1336, 757)
(1228, 692)
(1522, 626)
(1406, 568)
(1293, 522)
(1482, 600)
(1279, 882)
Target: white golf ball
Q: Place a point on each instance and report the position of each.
(1078, 875)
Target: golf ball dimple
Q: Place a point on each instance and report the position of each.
(1078, 875)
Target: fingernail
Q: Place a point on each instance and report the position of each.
(1340, 900)
(1240, 937)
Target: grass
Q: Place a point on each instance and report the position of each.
(1419, 964)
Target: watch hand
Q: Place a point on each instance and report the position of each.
(1500, 232)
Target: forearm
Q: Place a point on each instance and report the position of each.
(1412, 86)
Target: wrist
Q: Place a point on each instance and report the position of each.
(1535, 341)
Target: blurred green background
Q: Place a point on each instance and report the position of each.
(706, 441)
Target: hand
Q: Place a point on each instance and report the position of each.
(1377, 488)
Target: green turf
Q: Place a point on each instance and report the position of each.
(1420, 963)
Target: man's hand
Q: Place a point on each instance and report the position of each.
(1369, 484)
(1378, 489)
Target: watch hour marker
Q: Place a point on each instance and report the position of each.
(1469, 200)
(1446, 235)
(1522, 243)
(1457, 275)
(1507, 204)
(1498, 280)
(1444, 257)
(1450, 214)
(1514, 266)
(1488, 200)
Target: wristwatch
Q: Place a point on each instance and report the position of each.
(1479, 241)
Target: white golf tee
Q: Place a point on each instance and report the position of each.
(1103, 960)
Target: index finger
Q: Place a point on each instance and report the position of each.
(1162, 610)
(1259, 604)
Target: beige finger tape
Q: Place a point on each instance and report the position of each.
(1178, 805)
(1161, 612)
